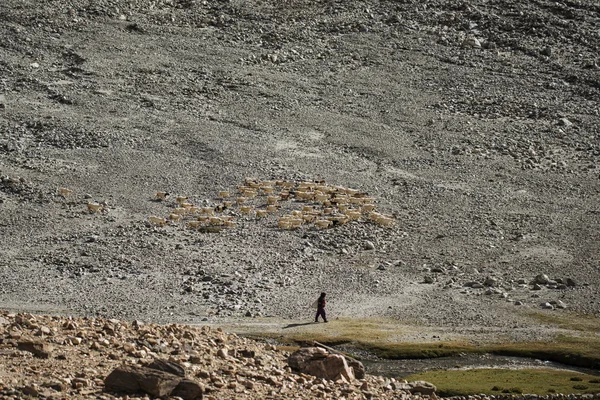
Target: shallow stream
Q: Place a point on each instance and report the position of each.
(403, 368)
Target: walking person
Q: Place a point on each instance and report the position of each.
(321, 308)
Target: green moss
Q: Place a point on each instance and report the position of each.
(492, 381)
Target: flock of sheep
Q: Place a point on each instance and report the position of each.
(323, 206)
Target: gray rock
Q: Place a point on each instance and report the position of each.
(565, 122)
(542, 279)
(369, 245)
(428, 279)
(561, 304)
(547, 306)
(536, 287)
(167, 366)
(38, 349)
(490, 281)
(423, 387)
(188, 390)
(128, 379)
(471, 42)
(547, 51)
(571, 282)
(318, 362)
(518, 303)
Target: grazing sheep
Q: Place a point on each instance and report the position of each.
(268, 189)
(64, 192)
(284, 223)
(308, 218)
(246, 209)
(157, 221)
(95, 207)
(224, 194)
(227, 204)
(208, 210)
(216, 221)
(241, 200)
(174, 217)
(322, 223)
(272, 199)
(160, 196)
(194, 224)
(354, 215)
(321, 197)
(271, 208)
(368, 207)
(180, 211)
(181, 199)
(230, 224)
(261, 213)
(187, 205)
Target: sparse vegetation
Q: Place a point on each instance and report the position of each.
(492, 381)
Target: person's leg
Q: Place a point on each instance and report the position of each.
(317, 316)
(324, 315)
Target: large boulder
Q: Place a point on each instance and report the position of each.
(155, 382)
(319, 362)
(126, 379)
(422, 387)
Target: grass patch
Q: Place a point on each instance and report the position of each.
(579, 351)
(418, 350)
(568, 321)
(495, 381)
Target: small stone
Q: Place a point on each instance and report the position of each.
(471, 42)
(428, 279)
(536, 287)
(2, 101)
(369, 245)
(31, 390)
(542, 279)
(222, 353)
(490, 281)
(547, 306)
(547, 51)
(518, 303)
(381, 268)
(565, 122)
(40, 350)
(561, 304)
(34, 65)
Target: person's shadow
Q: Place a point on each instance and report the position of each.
(295, 325)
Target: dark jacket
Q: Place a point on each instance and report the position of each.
(321, 302)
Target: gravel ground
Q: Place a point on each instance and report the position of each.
(473, 125)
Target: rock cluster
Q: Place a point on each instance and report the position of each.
(85, 358)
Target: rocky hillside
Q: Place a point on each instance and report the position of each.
(60, 357)
(451, 151)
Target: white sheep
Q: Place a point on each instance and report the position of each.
(95, 207)
(157, 220)
(160, 196)
(65, 192)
